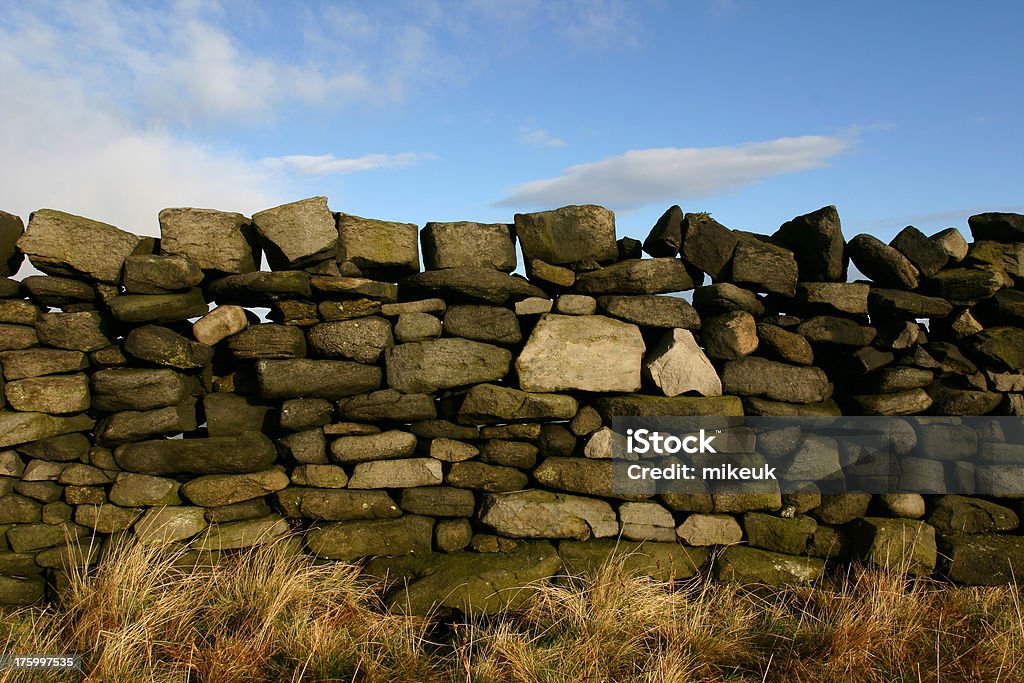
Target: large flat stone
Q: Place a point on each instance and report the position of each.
(305, 378)
(762, 266)
(216, 240)
(707, 244)
(18, 428)
(903, 545)
(39, 362)
(491, 404)
(983, 559)
(753, 566)
(543, 514)
(407, 535)
(361, 339)
(376, 249)
(297, 234)
(59, 243)
(250, 452)
(138, 389)
(427, 367)
(637, 405)
(484, 245)
(152, 274)
(162, 346)
(55, 394)
(225, 489)
(636, 276)
(776, 381)
(1001, 227)
(396, 474)
(471, 284)
(78, 331)
(568, 235)
(493, 324)
(159, 308)
(588, 353)
(882, 263)
(651, 311)
(388, 404)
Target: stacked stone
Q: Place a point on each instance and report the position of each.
(454, 423)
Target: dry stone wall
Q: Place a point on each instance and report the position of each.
(451, 423)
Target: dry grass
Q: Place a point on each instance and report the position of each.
(272, 614)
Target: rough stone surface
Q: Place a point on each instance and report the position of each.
(162, 346)
(388, 404)
(752, 565)
(76, 331)
(635, 276)
(11, 229)
(381, 250)
(471, 284)
(426, 367)
(152, 274)
(362, 339)
(776, 381)
(224, 489)
(542, 514)
(1001, 227)
(592, 353)
(249, 452)
(55, 394)
(707, 244)
(816, 240)
(763, 267)
(406, 535)
(305, 378)
(390, 444)
(415, 327)
(490, 404)
(568, 235)
(882, 263)
(730, 336)
(218, 241)
(677, 366)
(59, 243)
(164, 525)
(219, 324)
(927, 256)
(297, 234)
(493, 324)
(899, 544)
(704, 530)
(405, 473)
(484, 245)
(137, 389)
(159, 308)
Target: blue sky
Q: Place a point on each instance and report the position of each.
(898, 113)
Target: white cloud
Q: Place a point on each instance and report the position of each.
(326, 164)
(538, 137)
(676, 173)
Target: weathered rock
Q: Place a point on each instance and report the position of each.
(899, 544)
(219, 324)
(1003, 346)
(18, 312)
(666, 237)
(490, 404)
(362, 339)
(751, 565)
(56, 394)
(483, 245)
(707, 244)
(651, 311)
(18, 428)
(224, 489)
(1001, 227)
(260, 287)
(829, 329)
(63, 448)
(591, 353)
(395, 474)
(966, 285)
(438, 501)
(776, 381)
(15, 509)
(337, 504)
(509, 453)
(21, 590)
(568, 234)
(11, 229)
(132, 490)
(723, 297)
(904, 505)
(48, 290)
(816, 240)
(82, 331)
(898, 378)
(899, 403)
(106, 519)
(483, 323)
(783, 345)
(59, 243)
(545, 273)
(390, 444)
(927, 256)
(409, 534)
(844, 297)
(983, 559)
(152, 274)
(17, 337)
(451, 450)
(165, 347)
(304, 413)
(426, 367)
(415, 327)
(730, 335)
(137, 389)
(959, 514)
(660, 561)
(790, 536)
(297, 234)
(162, 526)
(432, 306)
(840, 508)
(469, 283)
(483, 477)
(388, 404)
(882, 263)
(762, 266)
(542, 514)
(334, 287)
(131, 425)
(242, 534)
(636, 405)
(952, 243)
(907, 304)
(704, 530)
(377, 249)
(216, 240)
(677, 366)
(533, 306)
(304, 378)
(159, 308)
(250, 452)
(269, 341)
(647, 276)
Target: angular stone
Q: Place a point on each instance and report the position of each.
(64, 448)
(346, 541)
(225, 489)
(377, 249)
(783, 345)
(216, 240)
(898, 544)
(666, 237)
(18, 428)
(483, 477)
(59, 243)
(790, 536)
(362, 339)
(388, 404)
(762, 266)
(406, 473)
(15, 509)
(1001, 227)
(966, 285)
(450, 450)
(48, 290)
(545, 273)
(830, 329)
(152, 274)
(983, 559)
(231, 414)
(137, 389)
(162, 526)
(334, 287)
(907, 304)
(128, 426)
(17, 337)
(661, 406)
(730, 335)
(132, 490)
(586, 421)
(162, 346)
(745, 565)
(11, 229)
(297, 234)
(18, 312)
(319, 476)
(677, 366)
(55, 394)
(483, 323)
(1003, 346)
(840, 508)
(106, 519)
(304, 413)
(899, 378)
(905, 505)
(844, 297)
(269, 341)
(533, 306)
(651, 311)
(389, 444)
(337, 504)
(242, 534)
(469, 283)
(723, 297)
(576, 304)
(927, 256)
(910, 402)
(438, 501)
(219, 324)
(25, 538)
(959, 514)
(426, 367)
(158, 308)
(304, 378)
(482, 245)
(589, 353)
(816, 240)
(260, 287)
(707, 244)
(647, 522)
(589, 476)
(542, 514)
(82, 331)
(414, 327)
(882, 263)
(952, 243)
(26, 363)
(249, 452)
(776, 381)
(568, 235)
(647, 276)
(490, 404)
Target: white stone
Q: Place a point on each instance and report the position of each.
(677, 365)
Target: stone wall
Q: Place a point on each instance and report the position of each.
(453, 423)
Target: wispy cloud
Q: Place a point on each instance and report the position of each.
(538, 137)
(327, 164)
(676, 173)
